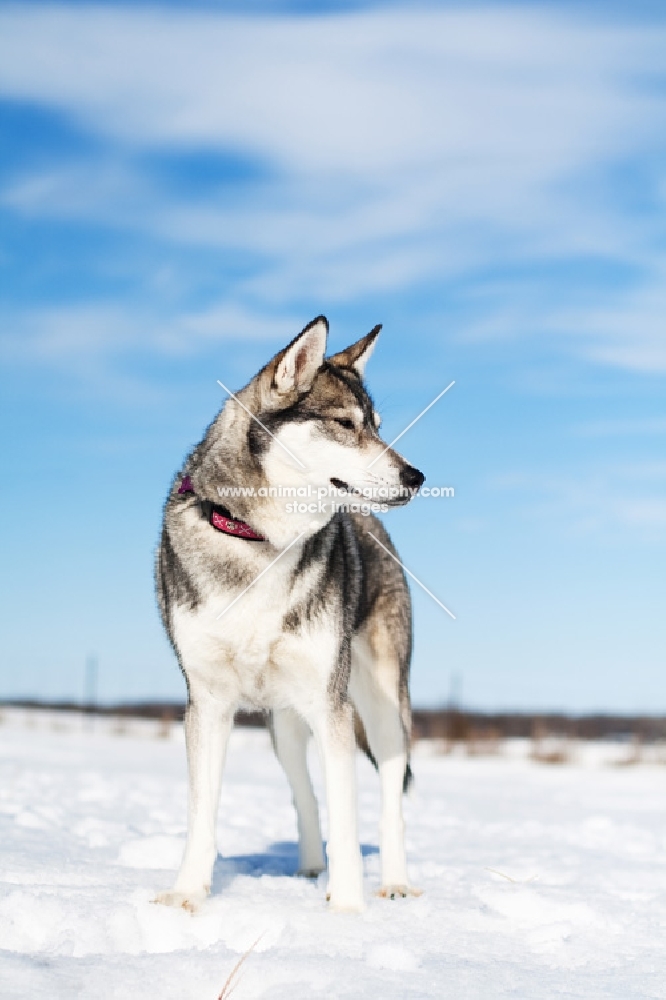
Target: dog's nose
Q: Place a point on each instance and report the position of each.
(411, 477)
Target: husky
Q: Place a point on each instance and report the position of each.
(303, 613)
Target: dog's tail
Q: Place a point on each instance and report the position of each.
(364, 747)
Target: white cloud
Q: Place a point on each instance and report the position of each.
(89, 333)
(647, 513)
(600, 500)
(452, 100)
(630, 330)
(353, 92)
(404, 145)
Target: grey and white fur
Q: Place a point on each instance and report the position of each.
(322, 641)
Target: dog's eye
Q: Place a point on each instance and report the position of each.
(344, 422)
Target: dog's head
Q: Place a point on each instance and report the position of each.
(317, 426)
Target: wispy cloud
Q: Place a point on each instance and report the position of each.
(402, 147)
(355, 92)
(602, 500)
(101, 330)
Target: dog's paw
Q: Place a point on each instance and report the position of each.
(398, 891)
(345, 904)
(190, 901)
(312, 872)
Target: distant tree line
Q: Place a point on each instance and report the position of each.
(449, 724)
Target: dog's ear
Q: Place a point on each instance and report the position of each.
(297, 365)
(357, 355)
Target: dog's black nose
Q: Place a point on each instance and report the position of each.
(411, 477)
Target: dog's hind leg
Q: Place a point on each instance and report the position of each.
(333, 727)
(290, 735)
(374, 689)
(208, 723)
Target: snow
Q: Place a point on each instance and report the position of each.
(539, 881)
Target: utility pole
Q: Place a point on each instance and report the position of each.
(456, 727)
(90, 687)
(455, 696)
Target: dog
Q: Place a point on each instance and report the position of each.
(300, 610)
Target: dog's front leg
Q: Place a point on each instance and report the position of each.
(334, 730)
(208, 723)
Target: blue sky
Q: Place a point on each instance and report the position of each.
(183, 187)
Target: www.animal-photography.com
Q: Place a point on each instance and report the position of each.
(333, 352)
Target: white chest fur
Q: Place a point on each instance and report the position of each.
(247, 655)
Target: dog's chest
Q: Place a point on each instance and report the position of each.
(251, 652)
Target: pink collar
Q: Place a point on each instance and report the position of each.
(234, 527)
(221, 519)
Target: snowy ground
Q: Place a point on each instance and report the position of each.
(92, 825)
